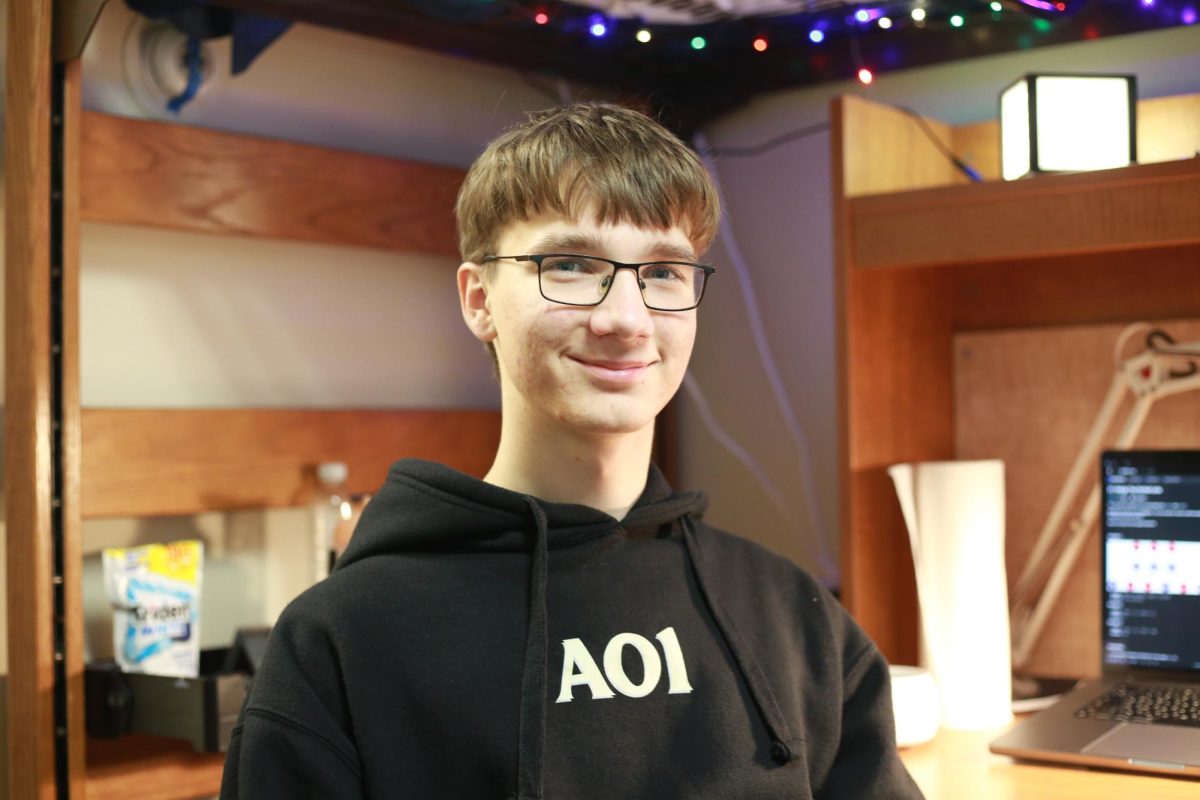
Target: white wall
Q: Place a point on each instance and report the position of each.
(779, 210)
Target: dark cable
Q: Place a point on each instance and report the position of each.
(963, 167)
(770, 144)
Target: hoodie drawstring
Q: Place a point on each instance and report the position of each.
(531, 738)
(784, 743)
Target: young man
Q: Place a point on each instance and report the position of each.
(569, 627)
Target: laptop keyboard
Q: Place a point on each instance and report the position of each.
(1129, 702)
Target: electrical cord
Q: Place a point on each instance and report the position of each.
(819, 127)
(769, 144)
(965, 168)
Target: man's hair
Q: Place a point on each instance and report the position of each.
(628, 166)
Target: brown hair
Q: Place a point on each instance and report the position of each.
(560, 159)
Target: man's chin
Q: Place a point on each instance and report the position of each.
(610, 424)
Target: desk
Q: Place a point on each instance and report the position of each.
(957, 765)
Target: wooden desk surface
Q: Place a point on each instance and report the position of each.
(957, 765)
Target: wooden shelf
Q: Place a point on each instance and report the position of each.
(1122, 210)
(150, 768)
(146, 462)
(182, 177)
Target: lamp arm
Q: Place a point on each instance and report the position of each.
(1028, 628)
(1034, 565)
(1027, 623)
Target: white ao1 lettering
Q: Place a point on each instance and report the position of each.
(580, 669)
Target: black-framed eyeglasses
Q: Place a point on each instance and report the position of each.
(576, 280)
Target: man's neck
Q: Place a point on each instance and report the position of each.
(603, 471)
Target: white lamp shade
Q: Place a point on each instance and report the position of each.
(1067, 123)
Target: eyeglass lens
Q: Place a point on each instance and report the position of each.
(585, 281)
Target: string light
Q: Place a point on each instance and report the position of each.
(816, 36)
(597, 27)
(885, 22)
(918, 14)
(862, 15)
(865, 76)
(643, 36)
(957, 20)
(541, 18)
(760, 44)
(995, 6)
(698, 43)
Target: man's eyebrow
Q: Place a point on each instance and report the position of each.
(586, 244)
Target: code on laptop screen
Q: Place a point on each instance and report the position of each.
(1150, 522)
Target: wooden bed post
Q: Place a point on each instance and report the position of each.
(45, 620)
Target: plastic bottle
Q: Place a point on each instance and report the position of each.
(330, 506)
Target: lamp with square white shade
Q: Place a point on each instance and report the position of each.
(1067, 123)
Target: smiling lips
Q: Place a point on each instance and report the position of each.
(614, 371)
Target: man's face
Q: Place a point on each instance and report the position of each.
(608, 368)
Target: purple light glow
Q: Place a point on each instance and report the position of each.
(1042, 4)
(862, 15)
(1147, 3)
(1188, 16)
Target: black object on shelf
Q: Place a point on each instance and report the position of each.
(202, 710)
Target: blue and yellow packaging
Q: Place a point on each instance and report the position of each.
(155, 594)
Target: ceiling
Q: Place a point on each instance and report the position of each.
(687, 86)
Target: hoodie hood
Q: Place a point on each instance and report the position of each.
(428, 507)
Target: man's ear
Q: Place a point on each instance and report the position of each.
(473, 297)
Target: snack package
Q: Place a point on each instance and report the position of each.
(155, 594)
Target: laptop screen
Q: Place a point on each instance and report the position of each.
(1150, 524)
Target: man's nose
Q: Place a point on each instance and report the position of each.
(623, 311)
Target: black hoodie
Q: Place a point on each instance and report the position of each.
(431, 662)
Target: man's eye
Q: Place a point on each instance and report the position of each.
(661, 273)
(564, 266)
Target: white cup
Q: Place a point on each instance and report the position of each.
(915, 703)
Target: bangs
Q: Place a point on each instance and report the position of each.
(614, 163)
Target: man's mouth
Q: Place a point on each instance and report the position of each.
(614, 371)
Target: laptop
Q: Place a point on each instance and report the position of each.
(1143, 714)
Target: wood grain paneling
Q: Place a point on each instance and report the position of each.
(1029, 397)
(885, 150)
(144, 462)
(1168, 128)
(72, 520)
(187, 178)
(1156, 283)
(979, 146)
(900, 401)
(31, 752)
(1127, 209)
(150, 768)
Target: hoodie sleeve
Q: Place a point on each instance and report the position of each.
(868, 764)
(292, 738)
